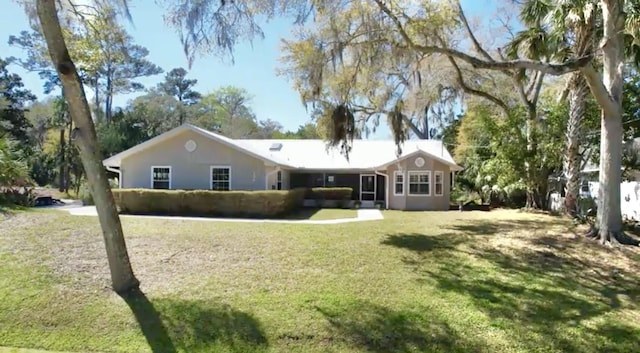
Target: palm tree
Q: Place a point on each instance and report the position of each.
(568, 30)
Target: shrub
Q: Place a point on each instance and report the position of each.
(333, 194)
(270, 203)
(84, 195)
(25, 197)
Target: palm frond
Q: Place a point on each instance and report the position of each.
(533, 11)
(533, 43)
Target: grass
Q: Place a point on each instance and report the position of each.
(319, 214)
(500, 281)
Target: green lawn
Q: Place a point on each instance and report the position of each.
(502, 281)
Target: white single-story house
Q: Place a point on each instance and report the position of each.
(189, 157)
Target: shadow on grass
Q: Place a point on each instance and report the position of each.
(374, 328)
(175, 325)
(150, 322)
(539, 288)
(302, 214)
(421, 243)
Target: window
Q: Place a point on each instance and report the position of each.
(419, 183)
(161, 177)
(439, 182)
(398, 178)
(279, 181)
(221, 178)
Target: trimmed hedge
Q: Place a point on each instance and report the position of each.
(332, 194)
(249, 204)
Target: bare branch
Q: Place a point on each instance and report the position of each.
(474, 40)
(551, 69)
(467, 89)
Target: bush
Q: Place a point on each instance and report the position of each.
(25, 197)
(270, 203)
(333, 194)
(84, 195)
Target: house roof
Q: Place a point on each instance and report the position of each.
(115, 160)
(311, 154)
(364, 155)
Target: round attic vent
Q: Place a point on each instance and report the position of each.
(190, 146)
(419, 162)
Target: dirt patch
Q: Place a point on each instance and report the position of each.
(162, 257)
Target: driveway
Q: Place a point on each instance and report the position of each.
(363, 215)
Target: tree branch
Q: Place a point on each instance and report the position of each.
(599, 91)
(532, 84)
(419, 134)
(537, 89)
(497, 101)
(548, 68)
(519, 85)
(474, 40)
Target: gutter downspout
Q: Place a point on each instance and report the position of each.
(267, 175)
(386, 188)
(111, 169)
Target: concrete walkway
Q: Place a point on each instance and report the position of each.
(363, 215)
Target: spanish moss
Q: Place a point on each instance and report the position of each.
(397, 124)
(343, 129)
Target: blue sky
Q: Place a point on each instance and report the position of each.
(254, 68)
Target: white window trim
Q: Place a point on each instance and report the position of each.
(211, 168)
(418, 172)
(375, 187)
(435, 180)
(404, 183)
(170, 175)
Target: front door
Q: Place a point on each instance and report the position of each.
(367, 187)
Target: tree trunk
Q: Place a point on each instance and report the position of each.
(61, 182)
(122, 276)
(180, 111)
(578, 93)
(609, 212)
(532, 179)
(67, 169)
(109, 97)
(97, 97)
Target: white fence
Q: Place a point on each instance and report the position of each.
(629, 199)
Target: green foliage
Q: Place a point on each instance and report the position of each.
(269, 203)
(105, 55)
(306, 131)
(493, 151)
(227, 111)
(125, 130)
(14, 175)
(157, 110)
(43, 169)
(84, 194)
(333, 194)
(15, 98)
(24, 197)
(14, 171)
(176, 84)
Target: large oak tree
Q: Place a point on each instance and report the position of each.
(202, 27)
